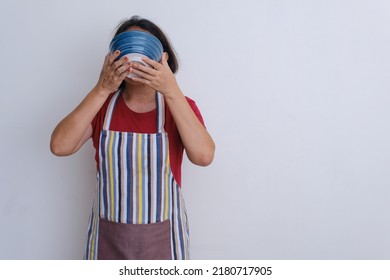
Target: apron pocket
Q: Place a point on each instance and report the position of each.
(119, 241)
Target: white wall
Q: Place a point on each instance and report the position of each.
(295, 93)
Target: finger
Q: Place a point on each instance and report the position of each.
(120, 62)
(144, 68)
(142, 74)
(151, 62)
(114, 56)
(123, 68)
(124, 74)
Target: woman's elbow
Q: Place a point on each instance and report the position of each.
(205, 158)
(58, 149)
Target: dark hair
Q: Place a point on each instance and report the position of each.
(156, 31)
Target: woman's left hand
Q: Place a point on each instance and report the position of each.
(160, 77)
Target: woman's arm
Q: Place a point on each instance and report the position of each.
(75, 129)
(197, 141)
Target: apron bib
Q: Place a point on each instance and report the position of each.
(139, 210)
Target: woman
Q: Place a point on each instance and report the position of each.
(139, 127)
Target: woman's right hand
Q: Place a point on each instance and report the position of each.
(75, 129)
(113, 72)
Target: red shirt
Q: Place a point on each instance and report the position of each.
(126, 120)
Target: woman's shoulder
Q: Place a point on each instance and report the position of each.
(195, 108)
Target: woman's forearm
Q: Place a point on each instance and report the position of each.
(197, 141)
(75, 128)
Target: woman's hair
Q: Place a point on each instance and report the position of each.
(156, 31)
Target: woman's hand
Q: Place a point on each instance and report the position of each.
(113, 72)
(160, 77)
(197, 141)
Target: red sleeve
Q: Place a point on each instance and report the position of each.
(195, 108)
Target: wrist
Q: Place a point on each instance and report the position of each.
(100, 91)
(173, 94)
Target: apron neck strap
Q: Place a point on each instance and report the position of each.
(110, 109)
(160, 106)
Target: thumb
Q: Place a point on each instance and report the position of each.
(164, 58)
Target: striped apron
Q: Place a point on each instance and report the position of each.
(139, 211)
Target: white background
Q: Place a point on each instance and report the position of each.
(295, 94)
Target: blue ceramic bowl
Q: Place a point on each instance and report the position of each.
(136, 45)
